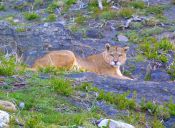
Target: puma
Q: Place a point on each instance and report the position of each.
(106, 63)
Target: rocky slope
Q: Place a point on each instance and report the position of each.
(85, 33)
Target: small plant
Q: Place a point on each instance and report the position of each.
(126, 12)
(152, 48)
(171, 70)
(155, 10)
(70, 2)
(38, 2)
(151, 31)
(108, 14)
(152, 22)
(80, 19)
(51, 18)
(133, 36)
(138, 4)
(51, 8)
(74, 28)
(7, 65)
(2, 7)
(61, 86)
(21, 29)
(171, 107)
(31, 15)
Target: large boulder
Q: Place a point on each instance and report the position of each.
(38, 40)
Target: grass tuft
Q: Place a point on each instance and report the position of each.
(31, 15)
(126, 12)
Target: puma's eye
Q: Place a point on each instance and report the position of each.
(120, 55)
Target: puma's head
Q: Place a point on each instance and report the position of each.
(115, 55)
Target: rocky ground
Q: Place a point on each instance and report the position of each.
(82, 28)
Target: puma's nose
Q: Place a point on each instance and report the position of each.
(115, 62)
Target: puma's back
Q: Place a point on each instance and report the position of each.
(58, 59)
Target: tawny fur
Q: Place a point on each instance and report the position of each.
(105, 63)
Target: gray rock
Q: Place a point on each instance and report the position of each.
(4, 119)
(170, 123)
(94, 33)
(122, 38)
(32, 43)
(110, 110)
(153, 91)
(21, 105)
(159, 75)
(113, 124)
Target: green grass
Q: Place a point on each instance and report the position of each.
(46, 104)
(151, 49)
(108, 14)
(61, 86)
(151, 31)
(80, 19)
(137, 4)
(51, 18)
(126, 12)
(51, 8)
(21, 29)
(2, 7)
(31, 16)
(171, 71)
(7, 66)
(156, 9)
(48, 100)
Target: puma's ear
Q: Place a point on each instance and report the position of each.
(126, 48)
(107, 46)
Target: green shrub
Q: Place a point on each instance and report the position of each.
(138, 4)
(51, 8)
(119, 99)
(80, 19)
(2, 7)
(151, 48)
(108, 14)
(70, 2)
(171, 71)
(166, 45)
(31, 15)
(151, 31)
(126, 12)
(51, 18)
(21, 29)
(61, 86)
(171, 107)
(7, 66)
(155, 9)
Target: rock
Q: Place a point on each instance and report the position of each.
(110, 110)
(150, 90)
(170, 123)
(113, 124)
(159, 75)
(122, 38)
(94, 33)
(4, 119)
(21, 105)
(7, 105)
(31, 44)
